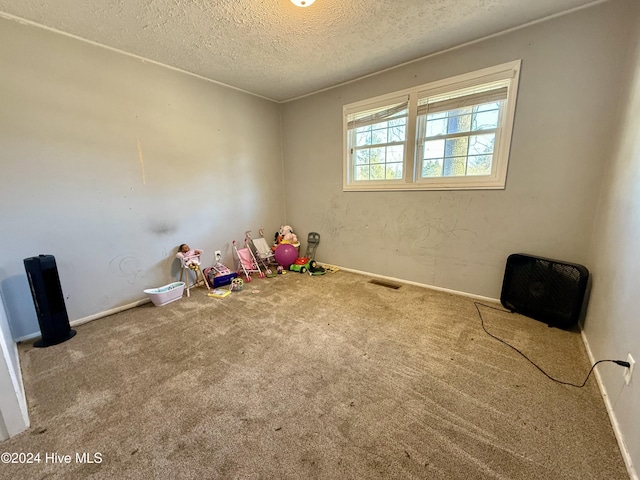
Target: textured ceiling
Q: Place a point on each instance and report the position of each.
(274, 49)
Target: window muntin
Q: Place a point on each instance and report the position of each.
(450, 134)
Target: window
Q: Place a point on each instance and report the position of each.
(450, 134)
(378, 138)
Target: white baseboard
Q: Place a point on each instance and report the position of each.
(417, 284)
(633, 474)
(106, 313)
(95, 316)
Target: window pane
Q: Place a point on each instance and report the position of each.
(486, 120)
(455, 167)
(395, 154)
(434, 149)
(488, 106)
(397, 134)
(459, 123)
(436, 124)
(479, 165)
(456, 147)
(362, 172)
(362, 157)
(432, 168)
(363, 138)
(398, 122)
(380, 163)
(373, 158)
(479, 144)
(460, 111)
(377, 172)
(378, 136)
(394, 171)
(459, 156)
(377, 155)
(380, 126)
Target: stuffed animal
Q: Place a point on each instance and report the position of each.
(286, 235)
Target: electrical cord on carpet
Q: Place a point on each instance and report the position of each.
(622, 363)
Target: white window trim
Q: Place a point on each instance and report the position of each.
(411, 181)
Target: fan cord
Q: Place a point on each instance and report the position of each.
(622, 363)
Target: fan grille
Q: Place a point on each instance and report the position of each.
(547, 290)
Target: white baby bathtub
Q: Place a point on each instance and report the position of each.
(167, 294)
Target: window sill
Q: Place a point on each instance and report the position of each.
(462, 184)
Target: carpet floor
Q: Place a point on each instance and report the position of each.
(324, 377)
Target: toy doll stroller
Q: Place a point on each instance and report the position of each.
(246, 260)
(262, 251)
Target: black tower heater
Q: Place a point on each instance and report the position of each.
(46, 290)
(544, 289)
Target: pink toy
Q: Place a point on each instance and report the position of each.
(189, 257)
(246, 260)
(286, 254)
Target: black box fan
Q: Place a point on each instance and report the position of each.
(544, 289)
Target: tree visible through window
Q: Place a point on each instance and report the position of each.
(461, 129)
(460, 142)
(378, 148)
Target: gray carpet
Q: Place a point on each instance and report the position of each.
(327, 377)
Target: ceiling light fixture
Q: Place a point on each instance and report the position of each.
(302, 3)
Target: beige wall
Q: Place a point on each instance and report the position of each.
(460, 240)
(72, 183)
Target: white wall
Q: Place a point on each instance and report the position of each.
(110, 162)
(612, 326)
(460, 240)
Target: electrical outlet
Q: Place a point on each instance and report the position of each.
(218, 255)
(628, 372)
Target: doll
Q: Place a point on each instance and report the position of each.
(188, 256)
